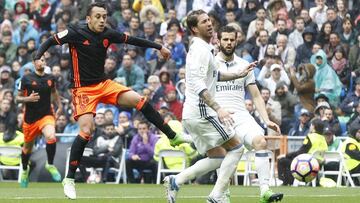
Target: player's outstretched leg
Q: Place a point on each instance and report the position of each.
(171, 188)
(25, 156)
(49, 166)
(69, 188)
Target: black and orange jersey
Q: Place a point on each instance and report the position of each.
(88, 51)
(43, 85)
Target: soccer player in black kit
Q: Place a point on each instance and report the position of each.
(36, 90)
(88, 44)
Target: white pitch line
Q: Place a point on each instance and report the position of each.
(180, 197)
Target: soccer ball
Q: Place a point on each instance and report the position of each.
(94, 178)
(304, 167)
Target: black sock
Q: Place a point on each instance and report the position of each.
(50, 151)
(25, 160)
(154, 117)
(77, 149)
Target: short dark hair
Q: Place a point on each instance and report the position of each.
(192, 19)
(95, 4)
(319, 125)
(108, 123)
(228, 29)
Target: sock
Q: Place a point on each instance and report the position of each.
(200, 168)
(25, 159)
(50, 151)
(77, 149)
(262, 166)
(227, 170)
(154, 117)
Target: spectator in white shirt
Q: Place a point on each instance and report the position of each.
(295, 37)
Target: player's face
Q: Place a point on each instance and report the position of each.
(204, 28)
(41, 67)
(97, 19)
(228, 43)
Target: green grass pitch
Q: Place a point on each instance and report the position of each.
(131, 193)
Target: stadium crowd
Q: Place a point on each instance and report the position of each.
(308, 53)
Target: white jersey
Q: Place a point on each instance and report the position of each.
(231, 94)
(201, 74)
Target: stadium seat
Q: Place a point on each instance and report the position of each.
(87, 152)
(161, 164)
(332, 157)
(249, 169)
(121, 171)
(12, 151)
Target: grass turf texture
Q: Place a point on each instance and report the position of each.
(53, 192)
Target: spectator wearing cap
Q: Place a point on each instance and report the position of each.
(8, 47)
(133, 74)
(25, 31)
(304, 85)
(278, 74)
(302, 126)
(170, 99)
(334, 123)
(287, 102)
(326, 80)
(319, 109)
(351, 100)
(351, 148)
(6, 81)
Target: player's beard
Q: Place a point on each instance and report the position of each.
(226, 52)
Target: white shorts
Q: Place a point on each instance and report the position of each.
(246, 129)
(207, 133)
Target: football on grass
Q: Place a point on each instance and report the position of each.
(304, 167)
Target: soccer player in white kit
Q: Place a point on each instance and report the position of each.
(231, 95)
(203, 118)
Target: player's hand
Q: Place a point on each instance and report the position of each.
(33, 97)
(225, 117)
(135, 157)
(273, 126)
(165, 52)
(249, 68)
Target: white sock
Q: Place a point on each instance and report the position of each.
(227, 170)
(200, 168)
(262, 165)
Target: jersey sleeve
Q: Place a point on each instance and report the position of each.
(66, 36)
(118, 37)
(250, 78)
(198, 67)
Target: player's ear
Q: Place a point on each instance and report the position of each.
(87, 19)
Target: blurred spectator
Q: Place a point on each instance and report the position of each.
(72, 127)
(124, 23)
(342, 9)
(332, 141)
(318, 12)
(134, 27)
(324, 35)
(20, 8)
(334, 19)
(6, 26)
(150, 32)
(273, 109)
(260, 15)
(62, 84)
(107, 151)
(281, 29)
(110, 67)
(137, 58)
(302, 125)
(205, 5)
(150, 13)
(159, 63)
(303, 52)
(170, 17)
(139, 5)
(326, 80)
(334, 123)
(124, 4)
(8, 47)
(125, 128)
(22, 54)
(354, 58)
(68, 5)
(314, 141)
(262, 41)
(141, 153)
(30, 45)
(351, 148)
(287, 102)
(348, 34)
(178, 52)
(252, 111)
(170, 100)
(334, 42)
(320, 108)
(180, 89)
(6, 81)
(223, 6)
(15, 68)
(60, 123)
(296, 36)
(308, 21)
(278, 74)
(304, 85)
(249, 14)
(340, 65)
(25, 31)
(133, 74)
(156, 88)
(43, 14)
(295, 11)
(352, 100)
(285, 51)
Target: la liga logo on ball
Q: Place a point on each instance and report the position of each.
(305, 167)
